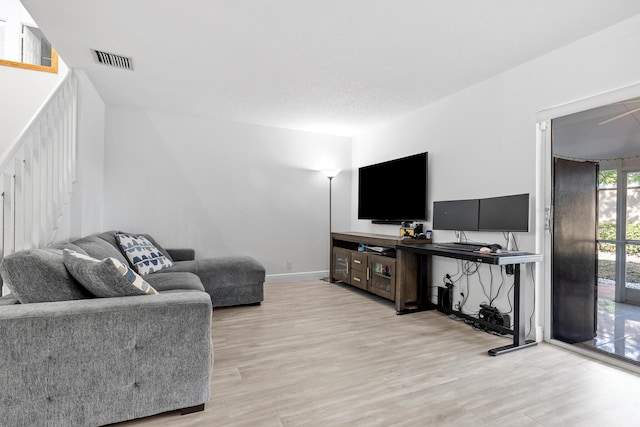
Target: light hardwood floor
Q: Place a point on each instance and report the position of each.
(321, 354)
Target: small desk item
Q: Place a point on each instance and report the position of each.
(425, 253)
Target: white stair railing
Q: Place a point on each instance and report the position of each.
(37, 173)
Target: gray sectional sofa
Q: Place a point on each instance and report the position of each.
(69, 358)
(229, 280)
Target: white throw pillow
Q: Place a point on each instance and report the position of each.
(142, 254)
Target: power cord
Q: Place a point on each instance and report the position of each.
(533, 279)
(499, 287)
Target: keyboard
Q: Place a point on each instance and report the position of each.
(466, 247)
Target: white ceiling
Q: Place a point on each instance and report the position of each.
(604, 133)
(328, 66)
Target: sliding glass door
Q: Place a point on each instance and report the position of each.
(619, 236)
(632, 238)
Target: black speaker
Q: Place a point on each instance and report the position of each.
(444, 300)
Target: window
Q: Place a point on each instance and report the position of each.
(24, 46)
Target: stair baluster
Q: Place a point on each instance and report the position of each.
(37, 173)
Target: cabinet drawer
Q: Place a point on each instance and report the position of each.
(359, 278)
(359, 261)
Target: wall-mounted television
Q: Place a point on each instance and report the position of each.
(507, 213)
(456, 215)
(394, 191)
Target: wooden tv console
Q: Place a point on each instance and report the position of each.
(391, 274)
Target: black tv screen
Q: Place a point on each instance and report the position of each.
(507, 213)
(395, 190)
(459, 215)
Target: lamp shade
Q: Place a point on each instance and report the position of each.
(330, 173)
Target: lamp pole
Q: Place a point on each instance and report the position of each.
(330, 211)
(330, 174)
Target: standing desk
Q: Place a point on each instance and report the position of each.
(427, 251)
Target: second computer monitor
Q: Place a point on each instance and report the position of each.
(507, 213)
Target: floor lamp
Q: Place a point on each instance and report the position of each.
(330, 173)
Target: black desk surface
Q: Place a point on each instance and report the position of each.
(503, 258)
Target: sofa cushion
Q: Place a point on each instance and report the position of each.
(181, 254)
(39, 275)
(98, 248)
(105, 278)
(143, 255)
(175, 281)
(68, 245)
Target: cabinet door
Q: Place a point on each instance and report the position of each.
(382, 276)
(341, 269)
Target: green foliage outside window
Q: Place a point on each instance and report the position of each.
(610, 178)
(607, 231)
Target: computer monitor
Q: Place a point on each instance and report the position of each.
(461, 215)
(507, 213)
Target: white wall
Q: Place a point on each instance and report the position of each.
(84, 213)
(482, 140)
(226, 188)
(87, 200)
(23, 91)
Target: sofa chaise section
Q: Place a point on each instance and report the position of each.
(229, 280)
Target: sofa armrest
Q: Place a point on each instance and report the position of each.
(104, 360)
(181, 254)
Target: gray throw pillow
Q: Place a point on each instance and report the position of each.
(39, 275)
(105, 278)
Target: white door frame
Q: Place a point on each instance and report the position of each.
(543, 204)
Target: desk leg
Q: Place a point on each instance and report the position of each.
(422, 289)
(519, 321)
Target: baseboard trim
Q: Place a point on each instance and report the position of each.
(296, 277)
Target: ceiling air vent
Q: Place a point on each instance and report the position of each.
(113, 60)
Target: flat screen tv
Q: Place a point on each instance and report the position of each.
(394, 191)
(459, 215)
(507, 213)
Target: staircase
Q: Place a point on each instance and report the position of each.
(37, 173)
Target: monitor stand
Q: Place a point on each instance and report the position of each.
(510, 242)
